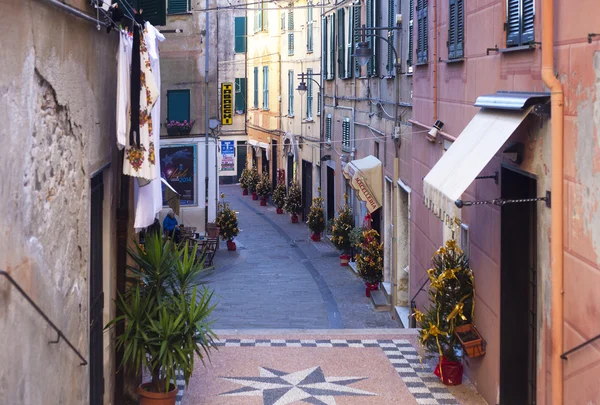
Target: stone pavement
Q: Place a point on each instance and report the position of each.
(280, 278)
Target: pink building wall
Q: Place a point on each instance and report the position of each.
(577, 65)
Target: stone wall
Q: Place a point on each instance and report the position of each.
(57, 79)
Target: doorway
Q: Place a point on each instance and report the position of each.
(290, 169)
(242, 152)
(388, 231)
(274, 159)
(306, 189)
(518, 288)
(264, 161)
(96, 364)
(330, 193)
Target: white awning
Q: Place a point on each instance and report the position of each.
(267, 148)
(467, 157)
(252, 142)
(366, 178)
(289, 136)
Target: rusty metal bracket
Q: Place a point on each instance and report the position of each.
(493, 176)
(500, 201)
(592, 35)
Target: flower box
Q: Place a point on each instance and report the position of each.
(470, 339)
(178, 127)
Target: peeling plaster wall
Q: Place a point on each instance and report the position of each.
(57, 80)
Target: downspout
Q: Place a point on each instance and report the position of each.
(556, 235)
(435, 62)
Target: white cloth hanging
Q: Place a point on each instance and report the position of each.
(123, 88)
(148, 199)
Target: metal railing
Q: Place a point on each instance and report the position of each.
(39, 311)
(565, 354)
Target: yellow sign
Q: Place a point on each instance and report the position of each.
(226, 103)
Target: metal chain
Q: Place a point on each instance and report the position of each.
(501, 202)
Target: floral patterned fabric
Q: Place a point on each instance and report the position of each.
(140, 159)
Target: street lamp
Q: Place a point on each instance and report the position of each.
(363, 51)
(302, 88)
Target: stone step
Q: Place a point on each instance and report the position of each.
(387, 289)
(379, 301)
(402, 316)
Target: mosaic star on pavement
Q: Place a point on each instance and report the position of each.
(310, 386)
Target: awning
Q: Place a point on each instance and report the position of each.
(289, 136)
(366, 178)
(252, 142)
(267, 147)
(467, 157)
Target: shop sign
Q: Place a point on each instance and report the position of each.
(227, 156)
(226, 103)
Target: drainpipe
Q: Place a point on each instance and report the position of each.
(435, 62)
(556, 235)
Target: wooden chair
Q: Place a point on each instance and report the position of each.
(208, 253)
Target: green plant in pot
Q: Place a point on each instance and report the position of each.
(253, 179)
(369, 262)
(293, 202)
(165, 316)
(244, 181)
(279, 196)
(316, 217)
(341, 230)
(263, 188)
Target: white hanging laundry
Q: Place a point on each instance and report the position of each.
(123, 87)
(149, 199)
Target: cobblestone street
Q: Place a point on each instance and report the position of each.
(280, 278)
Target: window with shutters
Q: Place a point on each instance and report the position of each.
(319, 103)
(422, 32)
(324, 43)
(411, 16)
(240, 95)
(290, 93)
(328, 123)
(154, 10)
(178, 105)
(349, 35)
(291, 32)
(309, 28)
(331, 47)
(260, 16)
(283, 22)
(346, 134)
(519, 26)
(372, 13)
(265, 87)
(255, 87)
(391, 71)
(309, 95)
(341, 44)
(176, 7)
(456, 29)
(356, 32)
(240, 34)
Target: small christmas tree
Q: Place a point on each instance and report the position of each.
(369, 262)
(227, 221)
(451, 296)
(253, 178)
(244, 179)
(316, 215)
(342, 226)
(293, 202)
(280, 194)
(263, 187)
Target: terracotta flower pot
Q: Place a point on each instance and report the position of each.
(279, 210)
(245, 191)
(470, 339)
(156, 398)
(316, 236)
(451, 371)
(370, 287)
(263, 200)
(344, 260)
(294, 219)
(254, 195)
(231, 246)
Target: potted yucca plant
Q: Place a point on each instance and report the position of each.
(165, 316)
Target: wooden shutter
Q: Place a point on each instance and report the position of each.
(370, 38)
(332, 47)
(264, 17)
(154, 11)
(456, 27)
(528, 14)
(341, 48)
(423, 31)
(346, 134)
(176, 7)
(309, 94)
(265, 87)
(328, 128)
(356, 24)
(240, 94)
(460, 29)
(240, 34)
(291, 32)
(452, 29)
(290, 93)
(283, 21)
(178, 105)
(324, 46)
(349, 42)
(411, 16)
(309, 29)
(256, 87)
(390, 51)
(513, 22)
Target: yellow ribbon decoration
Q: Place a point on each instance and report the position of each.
(418, 315)
(458, 310)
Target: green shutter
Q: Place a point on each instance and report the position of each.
(309, 30)
(528, 14)
(178, 105)
(264, 16)
(240, 34)
(324, 46)
(411, 16)
(390, 51)
(356, 28)
(460, 29)
(309, 94)
(291, 32)
(240, 94)
(319, 103)
(349, 42)
(177, 6)
(265, 87)
(153, 11)
(328, 128)
(423, 32)
(256, 87)
(346, 134)
(290, 93)
(452, 29)
(370, 38)
(332, 46)
(513, 23)
(341, 45)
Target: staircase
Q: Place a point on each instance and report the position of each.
(382, 301)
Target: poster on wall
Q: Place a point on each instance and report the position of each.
(227, 156)
(178, 165)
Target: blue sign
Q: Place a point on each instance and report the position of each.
(227, 156)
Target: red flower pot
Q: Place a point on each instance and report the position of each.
(451, 371)
(231, 245)
(156, 398)
(279, 210)
(254, 195)
(344, 260)
(371, 287)
(245, 191)
(316, 236)
(294, 219)
(263, 201)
